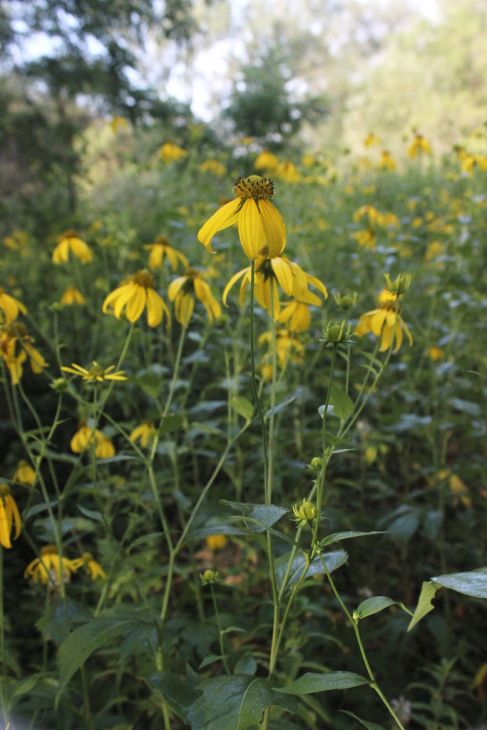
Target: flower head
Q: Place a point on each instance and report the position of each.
(261, 229)
(144, 434)
(209, 577)
(10, 308)
(216, 542)
(419, 146)
(266, 161)
(9, 516)
(94, 569)
(161, 250)
(72, 296)
(305, 513)
(385, 322)
(16, 346)
(50, 568)
(69, 244)
(170, 152)
(96, 373)
(387, 161)
(84, 438)
(371, 140)
(24, 474)
(214, 166)
(134, 295)
(183, 290)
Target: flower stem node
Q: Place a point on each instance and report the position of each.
(209, 577)
(399, 285)
(336, 333)
(304, 513)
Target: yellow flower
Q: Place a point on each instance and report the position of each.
(434, 249)
(144, 434)
(419, 146)
(71, 296)
(436, 353)
(50, 568)
(387, 162)
(457, 487)
(134, 295)
(170, 152)
(308, 160)
(374, 216)
(183, 290)
(216, 542)
(266, 161)
(118, 124)
(83, 439)
(70, 244)
(15, 348)
(10, 307)
(17, 241)
(94, 569)
(365, 238)
(24, 474)
(261, 229)
(385, 322)
(305, 513)
(96, 373)
(287, 171)
(296, 315)
(371, 140)
(288, 348)
(160, 250)
(9, 517)
(214, 166)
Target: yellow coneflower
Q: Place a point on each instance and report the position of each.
(161, 250)
(69, 244)
(436, 353)
(96, 373)
(10, 308)
(296, 315)
(385, 322)
(104, 448)
(419, 146)
(92, 566)
(266, 161)
(261, 229)
(9, 516)
(287, 171)
(50, 568)
(214, 166)
(15, 348)
(458, 488)
(170, 152)
(83, 439)
(371, 140)
(134, 295)
(144, 434)
(288, 349)
(366, 238)
(17, 241)
(72, 296)
(24, 474)
(387, 162)
(183, 290)
(118, 124)
(216, 542)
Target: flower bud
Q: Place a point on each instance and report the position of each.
(209, 577)
(305, 513)
(337, 332)
(399, 285)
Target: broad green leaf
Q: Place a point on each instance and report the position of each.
(246, 665)
(341, 402)
(90, 513)
(211, 659)
(339, 536)
(372, 605)
(365, 723)
(172, 422)
(472, 583)
(60, 617)
(256, 517)
(242, 406)
(279, 407)
(425, 603)
(313, 682)
(332, 560)
(233, 703)
(174, 690)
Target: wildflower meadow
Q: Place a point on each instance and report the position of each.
(243, 433)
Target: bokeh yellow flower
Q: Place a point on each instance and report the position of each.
(385, 322)
(161, 250)
(419, 146)
(92, 566)
(69, 244)
(144, 434)
(216, 542)
(214, 166)
(72, 296)
(183, 291)
(16, 347)
(170, 152)
(50, 568)
(266, 160)
(436, 353)
(261, 229)
(371, 140)
(9, 516)
(387, 161)
(10, 308)
(134, 295)
(24, 474)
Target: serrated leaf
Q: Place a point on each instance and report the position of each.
(312, 682)
(333, 560)
(242, 406)
(233, 703)
(365, 723)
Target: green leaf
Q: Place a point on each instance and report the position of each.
(171, 422)
(242, 406)
(256, 517)
(332, 560)
(339, 536)
(365, 723)
(279, 407)
(233, 703)
(313, 682)
(174, 690)
(372, 605)
(342, 403)
(90, 513)
(246, 665)
(425, 604)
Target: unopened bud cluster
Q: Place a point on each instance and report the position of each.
(399, 285)
(305, 513)
(336, 333)
(346, 301)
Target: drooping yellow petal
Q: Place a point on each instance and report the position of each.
(17, 519)
(135, 306)
(156, 308)
(386, 337)
(284, 274)
(377, 321)
(250, 229)
(184, 306)
(4, 526)
(232, 282)
(223, 218)
(274, 228)
(175, 287)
